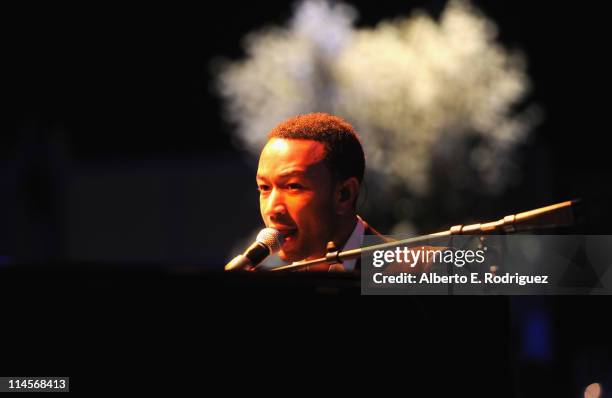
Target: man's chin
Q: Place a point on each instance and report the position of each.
(288, 257)
(291, 256)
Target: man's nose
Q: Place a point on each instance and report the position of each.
(275, 204)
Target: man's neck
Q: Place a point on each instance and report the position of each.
(343, 233)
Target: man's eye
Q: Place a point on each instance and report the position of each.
(294, 187)
(263, 188)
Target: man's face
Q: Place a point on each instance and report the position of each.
(296, 196)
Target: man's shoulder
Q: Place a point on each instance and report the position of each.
(370, 231)
(378, 238)
(373, 238)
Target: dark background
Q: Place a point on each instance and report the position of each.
(114, 151)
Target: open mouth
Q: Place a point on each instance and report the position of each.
(289, 235)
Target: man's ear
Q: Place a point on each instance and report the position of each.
(346, 195)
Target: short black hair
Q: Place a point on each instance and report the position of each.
(343, 151)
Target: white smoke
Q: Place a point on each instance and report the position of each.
(286, 70)
(427, 97)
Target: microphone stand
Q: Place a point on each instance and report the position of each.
(557, 215)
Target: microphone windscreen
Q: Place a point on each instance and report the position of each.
(270, 237)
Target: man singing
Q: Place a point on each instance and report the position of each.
(309, 176)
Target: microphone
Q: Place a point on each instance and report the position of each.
(554, 216)
(268, 242)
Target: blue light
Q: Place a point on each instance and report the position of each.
(536, 336)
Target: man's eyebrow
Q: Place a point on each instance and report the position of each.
(284, 174)
(289, 173)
